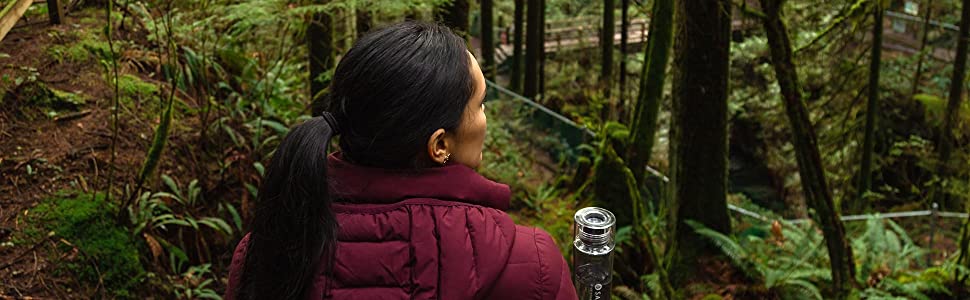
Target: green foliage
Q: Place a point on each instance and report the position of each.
(195, 284)
(79, 46)
(786, 264)
(106, 253)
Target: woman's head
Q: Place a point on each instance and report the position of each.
(409, 95)
(405, 96)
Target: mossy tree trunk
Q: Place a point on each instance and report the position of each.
(652, 77)
(955, 97)
(810, 167)
(699, 130)
(519, 28)
(454, 14)
(534, 45)
(488, 40)
(872, 110)
(624, 40)
(320, 45)
(606, 47)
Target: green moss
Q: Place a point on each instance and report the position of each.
(32, 96)
(86, 46)
(133, 87)
(69, 53)
(104, 246)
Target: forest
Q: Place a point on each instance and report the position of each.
(750, 149)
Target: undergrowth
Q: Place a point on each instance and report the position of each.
(92, 246)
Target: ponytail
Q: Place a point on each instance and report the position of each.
(294, 226)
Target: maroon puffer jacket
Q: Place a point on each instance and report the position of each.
(437, 233)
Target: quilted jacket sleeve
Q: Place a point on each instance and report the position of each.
(556, 266)
(235, 268)
(536, 269)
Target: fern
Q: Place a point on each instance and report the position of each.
(738, 255)
(800, 289)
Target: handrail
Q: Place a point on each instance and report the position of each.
(912, 18)
(11, 13)
(538, 106)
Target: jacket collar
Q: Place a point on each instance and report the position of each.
(453, 182)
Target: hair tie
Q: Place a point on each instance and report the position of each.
(332, 121)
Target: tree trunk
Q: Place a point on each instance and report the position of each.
(519, 27)
(362, 21)
(454, 14)
(542, 50)
(814, 185)
(624, 40)
(652, 77)
(699, 130)
(488, 40)
(606, 48)
(534, 45)
(320, 46)
(872, 109)
(956, 95)
(922, 48)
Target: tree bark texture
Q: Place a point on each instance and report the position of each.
(810, 168)
(624, 40)
(872, 109)
(534, 45)
(699, 130)
(519, 28)
(606, 47)
(652, 77)
(488, 40)
(320, 46)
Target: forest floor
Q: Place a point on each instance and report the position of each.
(52, 148)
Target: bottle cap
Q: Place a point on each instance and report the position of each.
(594, 225)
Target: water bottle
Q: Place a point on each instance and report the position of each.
(593, 253)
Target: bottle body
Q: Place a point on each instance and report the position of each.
(593, 253)
(592, 272)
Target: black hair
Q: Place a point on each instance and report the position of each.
(389, 93)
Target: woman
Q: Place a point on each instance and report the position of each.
(404, 215)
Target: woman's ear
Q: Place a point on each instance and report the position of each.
(438, 143)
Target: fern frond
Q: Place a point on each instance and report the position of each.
(806, 290)
(730, 248)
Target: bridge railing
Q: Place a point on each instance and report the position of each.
(15, 9)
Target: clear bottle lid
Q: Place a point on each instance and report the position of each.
(595, 226)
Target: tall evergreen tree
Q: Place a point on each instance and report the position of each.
(320, 49)
(699, 130)
(534, 45)
(519, 27)
(955, 97)
(872, 108)
(652, 77)
(810, 169)
(606, 46)
(488, 40)
(624, 40)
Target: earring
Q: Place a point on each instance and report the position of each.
(446, 159)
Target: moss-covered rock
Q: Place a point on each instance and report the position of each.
(32, 96)
(105, 249)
